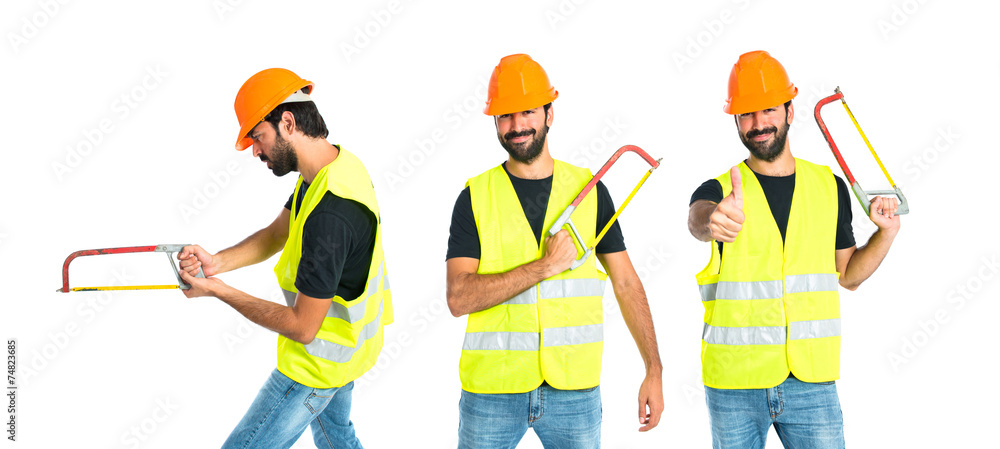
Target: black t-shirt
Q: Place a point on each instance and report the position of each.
(534, 197)
(778, 192)
(337, 244)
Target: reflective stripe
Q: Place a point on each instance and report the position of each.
(771, 335)
(373, 282)
(749, 290)
(569, 288)
(708, 291)
(798, 283)
(821, 282)
(573, 335)
(501, 341)
(762, 335)
(385, 282)
(559, 288)
(356, 311)
(342, 354)
(353, 313)
(799, 330)
(526, 297)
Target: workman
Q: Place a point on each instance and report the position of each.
(331, 270)
(533, 344)
(781, 242)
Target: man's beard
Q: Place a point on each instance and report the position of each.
(763, 150)
(524, 152)
(284, 159)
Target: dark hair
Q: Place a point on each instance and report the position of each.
(546, 107)
(307, 118)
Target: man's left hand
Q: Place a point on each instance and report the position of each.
(650, 402)
(201, 286)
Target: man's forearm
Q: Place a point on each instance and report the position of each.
(254, 249)
(635, 311)
(867, 259)
(267, 314)
(473, 292)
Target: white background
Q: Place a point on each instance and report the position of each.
(119, 128)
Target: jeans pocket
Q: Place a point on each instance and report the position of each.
(317, 402)
(832, 382)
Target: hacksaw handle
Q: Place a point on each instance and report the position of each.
(563, 220)
(170, 249)
(862, 195)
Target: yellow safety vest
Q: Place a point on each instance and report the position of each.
(349, 341)
(554, 330)
(773, 308)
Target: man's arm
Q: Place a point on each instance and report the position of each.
(256, 248)
(855, 264)
(300, 322)
(469, 291)
(721, 221)
(635, 310)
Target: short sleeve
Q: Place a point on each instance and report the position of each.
(614, 240)
(463, 238)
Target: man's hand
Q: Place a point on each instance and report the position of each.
(650, 402)
(882, 212)
(560, 253)
(201, 286)
(727, 219)
(193, 257)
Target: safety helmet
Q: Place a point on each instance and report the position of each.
(518, 83)
(758, 82)
(261, 94)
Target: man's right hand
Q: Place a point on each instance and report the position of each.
(727, 219)
(194, 257)
(560, 252)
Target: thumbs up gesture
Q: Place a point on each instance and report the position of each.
(727, 219)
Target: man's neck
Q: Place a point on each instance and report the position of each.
(783, 165)
(539, 168)
(313, 155)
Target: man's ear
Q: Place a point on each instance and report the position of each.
(550, 115)
(790, 113)
(288, 122)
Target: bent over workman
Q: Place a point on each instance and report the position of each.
(535, 329)
(780, 233)
(331, 270)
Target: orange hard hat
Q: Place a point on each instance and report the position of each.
(260, 95)
(518, 83)
(757, 82)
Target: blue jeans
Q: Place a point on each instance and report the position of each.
(284, 408)
(560, 418)
(805, 415)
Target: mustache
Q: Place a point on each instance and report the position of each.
(516, 134)
(756, 132)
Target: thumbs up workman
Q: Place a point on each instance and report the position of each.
(782, 245)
